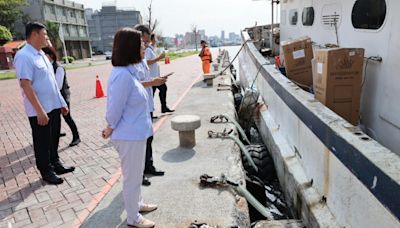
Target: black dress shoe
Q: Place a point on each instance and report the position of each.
(145, 181)
(62, 134)
(154, 172)
(60, 169)
(51, 178)
(74, 142)
(164, 110)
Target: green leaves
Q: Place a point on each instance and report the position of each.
(52, 32)
(5, 35)
(10, 11)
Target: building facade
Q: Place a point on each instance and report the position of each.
(72, 17)
(105, 23)
(192, 40)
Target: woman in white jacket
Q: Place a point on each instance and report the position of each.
(129, 123)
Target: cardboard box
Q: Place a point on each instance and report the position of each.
(297, 58)
(337, 80)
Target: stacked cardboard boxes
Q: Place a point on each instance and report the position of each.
(337, 80)
(297, 57)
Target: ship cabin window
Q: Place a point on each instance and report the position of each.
(293, 15)
(308, 16)
(368, 14)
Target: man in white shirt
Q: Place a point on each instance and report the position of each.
(149, 168)
(152, 62)
(43, 102)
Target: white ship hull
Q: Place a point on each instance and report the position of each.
(333, 174)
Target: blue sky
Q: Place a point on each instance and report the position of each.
(177, 16)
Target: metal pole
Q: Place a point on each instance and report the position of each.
(63, 44)
(272, 28)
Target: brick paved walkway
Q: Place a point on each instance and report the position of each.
(25, 201)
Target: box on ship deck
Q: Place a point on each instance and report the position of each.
(297, 58)
(337, 80)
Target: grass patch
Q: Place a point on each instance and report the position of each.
(172, 56)
(74, 67)
(177, 55)
(7, 75)
(12, 75)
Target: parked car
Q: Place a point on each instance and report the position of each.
(98, 52)
(108, 55)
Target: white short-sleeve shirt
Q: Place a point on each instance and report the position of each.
(34, 66)
(144, 75)
(154, 68)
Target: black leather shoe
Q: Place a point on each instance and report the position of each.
(62, 135)
(60, 169)
(154, 172)
(164, 110)
(74, 142)
(51, 178)
(145, 181)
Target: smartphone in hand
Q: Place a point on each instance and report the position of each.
(167, 75)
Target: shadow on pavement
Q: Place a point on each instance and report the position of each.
(201, 84)
(109, 216)
(8, 205)
(178, 154)
(18, 162)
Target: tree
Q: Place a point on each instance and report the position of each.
(195, 32)
(10, 11)
(52, 33)
(5, 35)
(152, 25)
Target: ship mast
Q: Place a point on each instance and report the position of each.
(271, 35)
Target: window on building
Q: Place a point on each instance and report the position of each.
(66, 30)
(82, 32)
(308, 16)
(73, 30)
(293, 15)
(368, 14)
(58, 10)
(47, 9)
(64, 12)
(72, 13)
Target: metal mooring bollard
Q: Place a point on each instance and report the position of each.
(208, 78)
(216, 66)
(186, 126)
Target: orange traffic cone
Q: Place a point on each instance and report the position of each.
(99, 88)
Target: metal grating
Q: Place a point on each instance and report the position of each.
(331, 20)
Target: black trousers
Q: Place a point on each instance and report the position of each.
(163, 94)
(149, 154)
(71, 123)
(45, 141)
